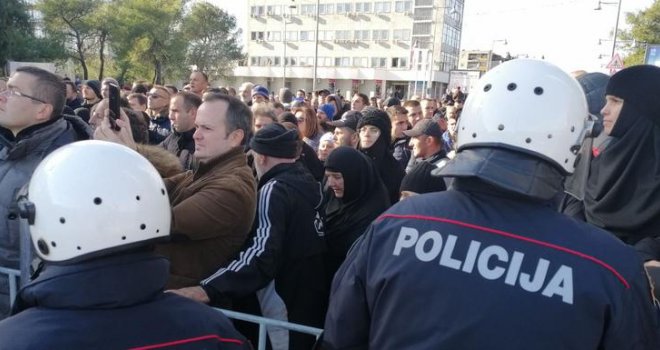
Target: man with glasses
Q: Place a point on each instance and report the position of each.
(31, 126)
(158, 102)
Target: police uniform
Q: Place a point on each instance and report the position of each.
(476, 270)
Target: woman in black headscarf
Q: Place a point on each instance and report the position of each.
(622, 194)
(356, 196)
(375, 131)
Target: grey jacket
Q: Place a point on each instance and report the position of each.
(19, 156)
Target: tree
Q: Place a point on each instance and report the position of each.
(212, 39)
(17, 39)
(144, 37)
(74, 20)
(645, 29)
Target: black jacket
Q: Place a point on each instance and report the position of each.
(286, 245)
(401, 151)
(182, 145)
(19, 156)
(475, 268)
(112, 303)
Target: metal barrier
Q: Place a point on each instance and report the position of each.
(264, 322)
(13, 276)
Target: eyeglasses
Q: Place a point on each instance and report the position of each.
(12, 92)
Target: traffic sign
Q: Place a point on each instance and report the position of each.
(616, 64)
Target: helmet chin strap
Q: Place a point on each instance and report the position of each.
(591, 130)
(26, 209)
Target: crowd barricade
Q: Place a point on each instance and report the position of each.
(13, 277)
(265, 322)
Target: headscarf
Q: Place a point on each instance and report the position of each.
(380, 153)
(364, 199)
(624, 181)
(594, 85)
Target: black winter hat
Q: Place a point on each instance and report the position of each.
(638, 86)
(420, 180)
(95, 85)
(392, 101)
(594, 85)
(377, 118)
(276, 141)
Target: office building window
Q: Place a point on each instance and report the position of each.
(256, 35)
(342, 34)
(361, 35)
(306, 61)
(344, 7)
(382, 7)
(273, 36)
(360, 61)
(326, 35)
(257, 11)
(378, 62)
(306, 35)
(308, 9)
(363, 7)
(401, 34)
(402, 6)
(380, 35)
(342, 61)
(399, 62)
(274, 10)
(326, 9)
(291, 36)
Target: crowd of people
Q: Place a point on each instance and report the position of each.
(429, 222)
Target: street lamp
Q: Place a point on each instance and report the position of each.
(284, 18)
(616, 25)
(316, 44)
(492, 48)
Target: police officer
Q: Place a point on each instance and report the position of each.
(94, 223)
(489, 264)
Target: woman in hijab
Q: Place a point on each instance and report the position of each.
(375, 142)
(622, 193)
(356, 196)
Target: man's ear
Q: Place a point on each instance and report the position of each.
(236, 137)
(44, 113)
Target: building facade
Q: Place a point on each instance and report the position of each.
(479, 60)
(372, 47)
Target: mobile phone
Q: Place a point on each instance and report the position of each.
(114, 105)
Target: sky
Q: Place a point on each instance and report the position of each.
(564, 32)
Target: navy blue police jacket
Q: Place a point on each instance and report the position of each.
(479, 269)
(113, 303)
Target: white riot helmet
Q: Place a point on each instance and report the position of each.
(89, 198)
(527, 105)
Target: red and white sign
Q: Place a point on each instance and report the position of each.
(616, 64)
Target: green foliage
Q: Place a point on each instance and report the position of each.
(645, 29)
(212, 39)
(17, 39)
(72, 21)
(157, 40)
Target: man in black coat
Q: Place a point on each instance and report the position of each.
(286, 244)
